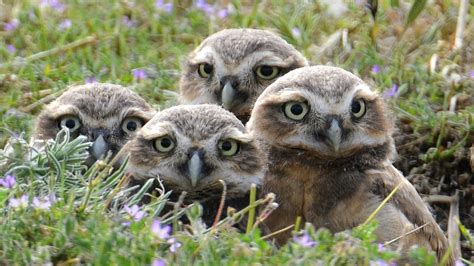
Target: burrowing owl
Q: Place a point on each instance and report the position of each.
(233, 66)
(109, 115)
(328, 136)
(191, 147)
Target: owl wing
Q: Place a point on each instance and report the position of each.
(409, 202)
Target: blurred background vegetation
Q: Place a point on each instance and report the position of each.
(419, 54)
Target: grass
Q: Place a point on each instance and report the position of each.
(52, 46)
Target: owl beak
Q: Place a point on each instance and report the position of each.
(99, 147)
(334, 134)
(195, 168)
(228, 95)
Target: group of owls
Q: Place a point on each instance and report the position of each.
(254, 111)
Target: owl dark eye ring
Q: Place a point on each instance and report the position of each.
(229, 147)
(267, 72)
(131, 124)
(205, 70)
(358, 108)
(71, 122)
(295, 110)
(164, 144)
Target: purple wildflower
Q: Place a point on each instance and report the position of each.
(471, 74)
(376, 69)
(128, 22)
(378, 262)
(163, 232)
(139, 74)
(296, 32)
(161, 5)
(174, 245)
(304, 240)
(43, 204)
(458, 262)
(12, 25)
(8, 182)
(381, 247)
(158, 262)
(204, 6)
(11, 49)
(91, 79)
(54, 4)
(135, 212)
(18, 202)
(392, 92)
(223, 13)
(65, 24)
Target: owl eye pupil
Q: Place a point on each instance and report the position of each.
(132, 126)
(296, 109)
(226, 146)
(70, 123)
(266, 70)
(207, 68)
(166, 143)
(355, 107)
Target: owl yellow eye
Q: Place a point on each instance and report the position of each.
(205, 70)
(131, 124)
(71, 122)
(295, 110)
(164, 144)
(229, 147)
(358, 108)
(267, 72)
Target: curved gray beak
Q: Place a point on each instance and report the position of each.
(99, 147)
(228, 94)
(195, 168)
(334, 134)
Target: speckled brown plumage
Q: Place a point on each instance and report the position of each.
(235, 55)
(101, 109)
(332, 165)
(196, 161)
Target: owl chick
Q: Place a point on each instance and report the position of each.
(328, 136)
(191, 147)
(108, 115)
(233, 66)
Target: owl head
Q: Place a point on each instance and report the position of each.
(191, 147)
(108, 115)
(323, 112)
(233, 66)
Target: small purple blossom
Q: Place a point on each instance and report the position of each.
(378, 262)
(158, 262)
(11, 48)
(204, 6)
(304, 240)
(42, 204)
(8, 182)
(392, 92)
(376, 69)
(471, 74)
(128, 22)
(65, 24)
(163, 232)
(12, 25)
(54, 4)
(161, 5)
(20, 202)
(458, 262)
(223, 13)
(174, 244)
(91, 79)
(139, 74)
(135, 212)
(381, 247)
(296, 32)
